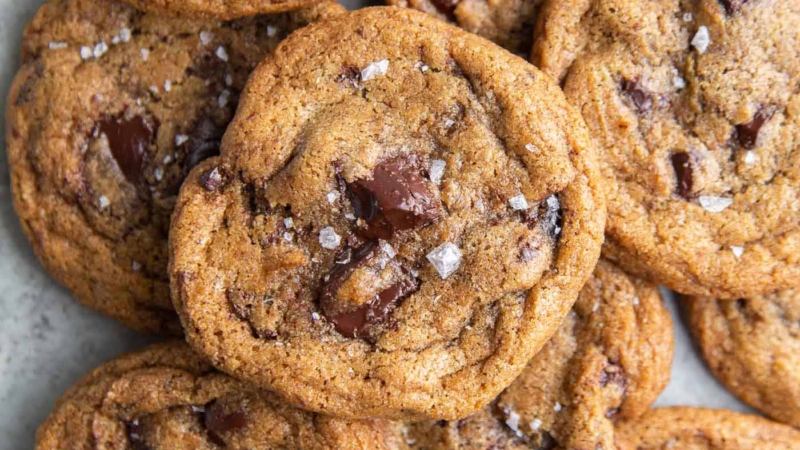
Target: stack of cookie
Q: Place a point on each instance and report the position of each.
(378, 230)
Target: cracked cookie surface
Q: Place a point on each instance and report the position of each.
(695, 109)
(704, 429)
(753, 347)
(109, 112)
(395, 225)
(508, 23)
(166, 397)
(609, 360)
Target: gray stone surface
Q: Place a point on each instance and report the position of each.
(47, 341)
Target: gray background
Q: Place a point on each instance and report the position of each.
(47, 341)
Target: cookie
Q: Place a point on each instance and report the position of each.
(698, 429)
(699, 139)
(221, 9)
(610, 359)
(109, 112)
(401, 216)
(167, 397)
(508, 23)
(753, 347)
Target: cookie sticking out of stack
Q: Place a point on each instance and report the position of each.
(704, 429)
(401, 216)
(609, 360)
(106, 117)
(167, 397)
(694, 109)
(753, 346)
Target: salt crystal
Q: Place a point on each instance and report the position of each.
(57, 45)
(375, 69)
(180, 139)
(228, 80)
(115, 40)
(349, 216)
(288, 223)
(701, 40)
(635, 301)
(206, 37)
(715, 204)
(167, 159)
(159, 173)
(136, 266)
(687, 17)
(512, 420)
(86, 52)
(387, 248)
(596, 307)
(315, 316)
(103, 202)
(552, 215)
(222, 53)
(271, 30)
(145, 53)
(518, 203)
(288, 236)
(329, 239)
(557, 407)
(750, 158)
(125, 34)
(436, 172)
(446, 258)
(536, 424)
(449, 123)
(100, 49)
(531, 148)
(678, 82)
(167, 86)
(332, 196)
(154, 89)
(222, 101)
(737, 251)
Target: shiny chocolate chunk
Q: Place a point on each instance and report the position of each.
(732, 6)
(358, 322)
(341, 272)
(397, 197)
(218, 422)
(446, 7)
(128, 140)
(684, 174)
(640, 98)
(747, 133)
(135, 432)
(203, 143)
(211, 179)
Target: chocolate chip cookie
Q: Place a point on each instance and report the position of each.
(695, 109)
(508, 23)
(109, 112)
(166, 397)
(753, 346)
(401, 216)
(610, 359)
(221, 9)
(699, 429)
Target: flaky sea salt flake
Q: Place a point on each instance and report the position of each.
(222, 53)
(125, 34)
(376, 69)
(531, 148)
(100, 49)
(518, 203)
(103, 202)
(145, 53)
(701, 39)
(436, 172)
(332, 196)
(86, 52)
(57, 45)
(329, 239)
(180, 139)
(445, 258)
(512, 420)
(288, 222)
(136, 266)
(750, 158)
(715, 204)
(206, 37)
(536, 424)
(223, 98)
(557, 407)
(737, 251)
(387, 248)
(272, 30)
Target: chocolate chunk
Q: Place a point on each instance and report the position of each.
(135, 432)
(548, 441)
(732, 6)
(218, 422)
(350, 76)
(211, 179)
(612, 413)
(203, 143)
(341, 272)
(210, 68)
(614, 375)
(128, 140)
(357, 322)
(396, 198)
(684, 174)
(640, 98)
(747, 133)
(446, 7)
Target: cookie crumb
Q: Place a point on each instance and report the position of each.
(329, 239)
(376, 69)
(702, 39)
(518, 203)
(445, 258)
(436, 171)
(715, 204)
